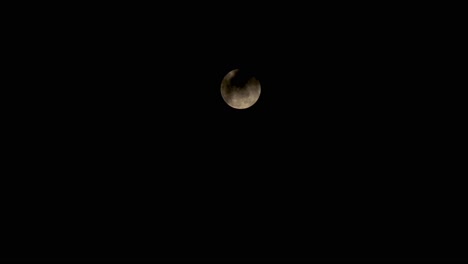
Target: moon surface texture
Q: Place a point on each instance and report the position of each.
(240, 89)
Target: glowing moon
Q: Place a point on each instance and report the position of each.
(239, 89)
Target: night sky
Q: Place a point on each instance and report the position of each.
(127, 149)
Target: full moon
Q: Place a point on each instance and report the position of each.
(239, 89)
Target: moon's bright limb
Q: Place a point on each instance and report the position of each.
(239, 90)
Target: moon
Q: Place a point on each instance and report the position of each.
(240, 89)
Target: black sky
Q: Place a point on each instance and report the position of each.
(126, 148)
